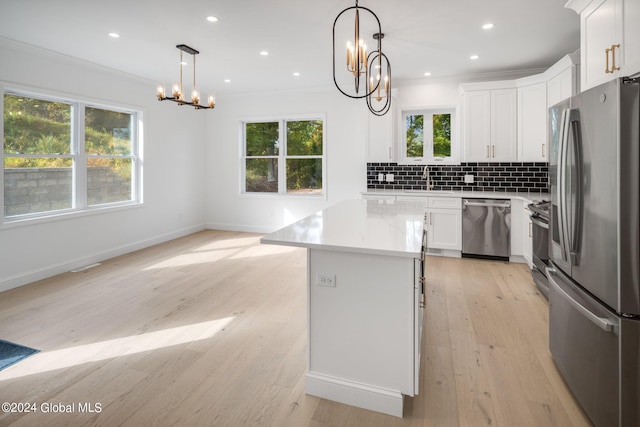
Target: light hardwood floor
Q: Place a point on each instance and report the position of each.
(210, 329)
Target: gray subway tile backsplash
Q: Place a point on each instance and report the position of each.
(512, 177)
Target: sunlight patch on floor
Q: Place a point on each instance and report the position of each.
(46, 361)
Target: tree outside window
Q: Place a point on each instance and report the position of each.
(284, 157)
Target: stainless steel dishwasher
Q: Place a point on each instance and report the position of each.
(486, 228)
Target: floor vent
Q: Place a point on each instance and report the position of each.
(86, 267)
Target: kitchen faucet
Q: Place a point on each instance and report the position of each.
(425, 175)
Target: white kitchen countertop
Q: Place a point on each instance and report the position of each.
(378, 227)
(527, 197)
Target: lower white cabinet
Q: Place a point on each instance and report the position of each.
(527, 251)
(444, 223)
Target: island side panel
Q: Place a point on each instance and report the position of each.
(362, 328)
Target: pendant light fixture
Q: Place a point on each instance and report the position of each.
(177, 93)
(371, 73)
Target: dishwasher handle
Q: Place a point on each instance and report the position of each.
(490, 203)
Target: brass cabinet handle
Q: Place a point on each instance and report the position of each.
(543, 153)
(606, 54)
(613, 57)
(487, 151)
(493, 148)
(530, 229)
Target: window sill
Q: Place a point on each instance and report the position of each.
(15, 222)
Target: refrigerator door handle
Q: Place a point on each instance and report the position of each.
(562, 184)
(574, 246)
(601, 323)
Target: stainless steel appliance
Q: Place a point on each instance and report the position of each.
(594, 249)
(486, 228)
(540, 242)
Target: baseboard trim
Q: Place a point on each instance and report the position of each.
(55, 269)
(390, 402)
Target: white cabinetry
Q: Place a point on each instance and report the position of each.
(528, 237)
(609, 39)
(380, 141)
(444, 223)
(532, 123)
(381, 135)
(490, 124)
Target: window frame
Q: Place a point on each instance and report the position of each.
(430, 159)
(282, 156)
(79, 204)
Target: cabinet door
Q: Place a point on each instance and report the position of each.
(532, 123)
(561, 87)
(445, 229)
(528, 238)
(380, 143)
(631, 38)
(503, 125)
(598, 32)
(477, 112)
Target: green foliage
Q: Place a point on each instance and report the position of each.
(43, 128)
(415, 135)
(262, 139)
(442, 135)
(304, 138)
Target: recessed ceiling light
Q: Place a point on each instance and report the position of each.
(212, 19)
(296, 74)
(427, 74)
(474, 57)
(264, 53)
(227, 80)
(487, 26)
(114, 35)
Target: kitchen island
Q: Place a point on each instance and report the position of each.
(365, 300)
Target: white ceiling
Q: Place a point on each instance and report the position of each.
(420, 35)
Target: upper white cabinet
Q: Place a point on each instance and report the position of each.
(535, 95)
(381, 135)
(380, 143)
(609, 39)
(490, 123)
(532, 122)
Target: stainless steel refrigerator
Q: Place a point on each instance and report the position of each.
(594, 296)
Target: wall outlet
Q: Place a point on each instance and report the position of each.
(389, 177)
(468, 179)
(380, 177)
(326, 279)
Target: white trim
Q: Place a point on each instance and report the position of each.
(390, 402)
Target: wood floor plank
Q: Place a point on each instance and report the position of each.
(210, 329)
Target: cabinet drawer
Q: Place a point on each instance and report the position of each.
(445, 202)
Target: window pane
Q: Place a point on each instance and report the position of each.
(107, 132)
(262, 139)
(37, 185)
(304, 176)
(108, 180)
(34, 126)
(415, 135)
(442, 135)
(262, 176)
(304, 138)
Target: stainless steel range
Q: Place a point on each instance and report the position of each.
(540, 235)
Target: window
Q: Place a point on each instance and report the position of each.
(429, 136)
(284, 157)
(52, 164)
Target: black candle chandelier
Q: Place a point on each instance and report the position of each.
(177, 94)
(374, 67)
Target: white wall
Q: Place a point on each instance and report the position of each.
(174, 141)
(346, 128)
